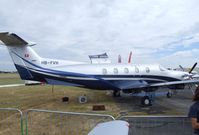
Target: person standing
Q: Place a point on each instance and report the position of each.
(194, 112)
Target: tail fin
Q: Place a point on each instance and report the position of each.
(21, 53)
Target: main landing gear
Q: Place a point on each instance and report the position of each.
(116, 93)
(148, 99)
(169, 94)
(147, 96)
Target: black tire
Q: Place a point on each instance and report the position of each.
(116, 94)
(146, 101)
(169, 94)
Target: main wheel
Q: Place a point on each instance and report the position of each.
(146, 101)
(169, 94)
(116, 94)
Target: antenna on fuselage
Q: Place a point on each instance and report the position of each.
(119, 59)
(130, 55)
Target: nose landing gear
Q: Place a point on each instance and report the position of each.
(146, 101)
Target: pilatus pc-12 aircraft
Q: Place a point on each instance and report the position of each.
(126, 78)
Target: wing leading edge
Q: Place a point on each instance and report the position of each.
(137, 84)
(175, 83)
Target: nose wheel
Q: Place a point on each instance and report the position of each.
(146, 101)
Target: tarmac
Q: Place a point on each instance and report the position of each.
(178, 104)
(165, 116)
(159, 126)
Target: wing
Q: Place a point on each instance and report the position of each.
(137, 84)
(175, 83)
(126, 85)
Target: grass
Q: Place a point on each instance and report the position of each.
(8, 78)
(43, 97)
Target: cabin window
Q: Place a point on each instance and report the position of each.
(147, 69)
(136, 69)
(115, 71)
(126, 70)
(104, 71)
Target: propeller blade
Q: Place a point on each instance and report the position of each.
(193, 67)
(181, 68)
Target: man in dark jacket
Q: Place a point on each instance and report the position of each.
(194, 112)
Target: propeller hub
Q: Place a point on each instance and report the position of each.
(187, 76)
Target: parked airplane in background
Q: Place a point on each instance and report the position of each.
(128, 78)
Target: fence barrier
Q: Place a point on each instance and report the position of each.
(158, 125)
(11, 121)
(46, 122)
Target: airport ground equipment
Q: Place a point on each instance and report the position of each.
(83, 99)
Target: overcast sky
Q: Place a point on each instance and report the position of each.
(156, 31)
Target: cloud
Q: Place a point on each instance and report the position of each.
(186, 58)
(73, 29)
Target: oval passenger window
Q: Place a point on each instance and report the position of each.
(126, 70)
(115, 71)
(147, 69)
(104, 71)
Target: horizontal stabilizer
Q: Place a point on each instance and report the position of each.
(11, 39)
